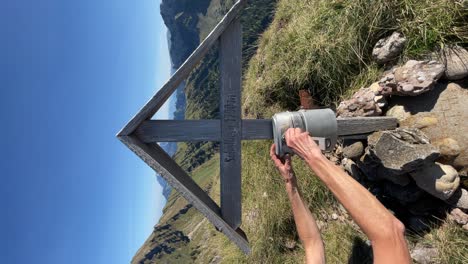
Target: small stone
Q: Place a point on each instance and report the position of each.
(459, 199)
(375, 88)
(455, 59)
(290, 243)
(265, 195)
(388, 48)
(334, 216)
(448, 147)
(351, 168)
(437, 179)
(354, 151)
(424, 254)
(458, 216)
(361, 104)
(399, 112)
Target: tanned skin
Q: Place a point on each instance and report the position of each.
(385, 232)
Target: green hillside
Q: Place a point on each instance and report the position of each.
(319, 45)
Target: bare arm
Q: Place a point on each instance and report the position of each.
(382, 228)
(305, 222)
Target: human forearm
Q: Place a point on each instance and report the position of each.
(306, 226)
(305, 222)
(383, 229)
(373, 218)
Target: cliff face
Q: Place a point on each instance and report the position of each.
(181, 18)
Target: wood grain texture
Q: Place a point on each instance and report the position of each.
(179, 130)
(252, 129)
(365, 125)
(181, 74)
(230, 64)
(164, 165)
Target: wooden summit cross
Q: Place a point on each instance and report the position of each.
(141, 134)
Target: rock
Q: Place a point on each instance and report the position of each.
(375, 88)
(437, 179)
(401, 150)
(459, 199)
(455, 59)
(423, 254)
(414, 78)
(354, 150)
(448, 104)
(404, 194)
(361, 104)
(420, 121)
(448, 147)
(458, 216)
(351, 168)
(334, 216)
(461, 161)
(388, 48)
(399, 112)
(290, 243)
(465, 227)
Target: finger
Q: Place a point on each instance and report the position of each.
(287, 160)
(278, 163)
(297, 131)
(274, 157)
(287, 136)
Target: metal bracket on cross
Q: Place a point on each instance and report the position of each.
(141, 134)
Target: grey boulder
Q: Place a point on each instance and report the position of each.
(401, 150)
(388, 48)
(455, 59)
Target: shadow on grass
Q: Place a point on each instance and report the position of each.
(361, 252)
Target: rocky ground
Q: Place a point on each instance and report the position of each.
(419, 170)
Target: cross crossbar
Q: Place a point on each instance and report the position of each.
(252, 129)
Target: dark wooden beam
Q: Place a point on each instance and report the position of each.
(165, 166)
(181, 74)
(179, 130)
(365, 125)
(252, 129)
(230, 64)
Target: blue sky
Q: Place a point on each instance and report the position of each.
(72, 74)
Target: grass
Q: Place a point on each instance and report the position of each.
(322, 45)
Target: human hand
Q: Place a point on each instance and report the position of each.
(284, 167)
(301, 143)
